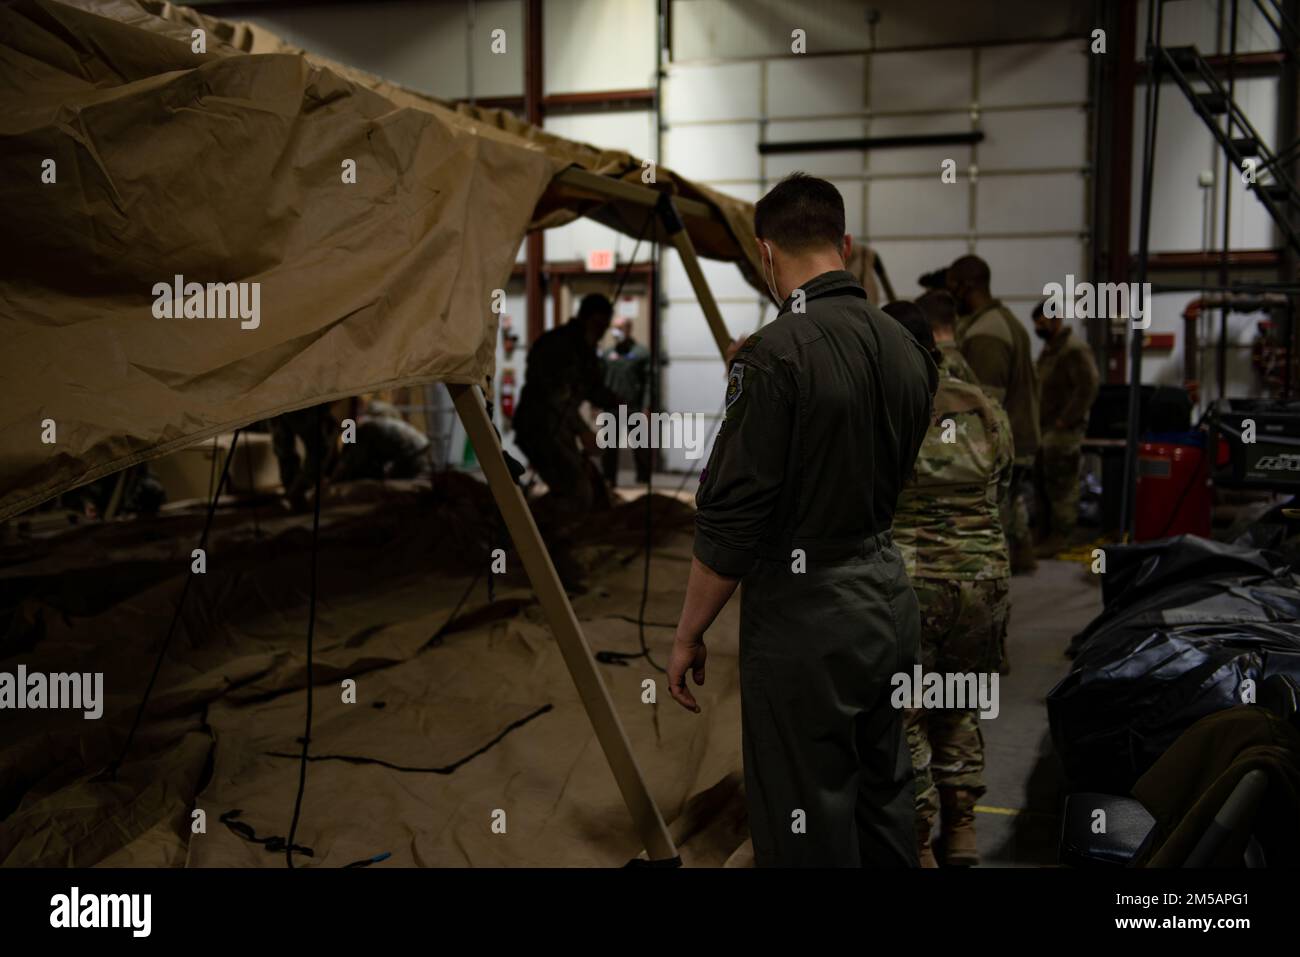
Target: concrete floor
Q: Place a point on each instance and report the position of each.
(1017, 821)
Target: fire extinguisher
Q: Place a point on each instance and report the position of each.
(507, 395)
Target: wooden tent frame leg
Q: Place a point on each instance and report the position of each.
(681, 241)
(528, 542)
(559, 613)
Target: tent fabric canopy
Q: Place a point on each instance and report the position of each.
(727, 233)
(129, 160)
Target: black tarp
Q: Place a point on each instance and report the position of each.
(1187, 622)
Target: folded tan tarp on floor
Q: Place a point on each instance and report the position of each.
(128, 160)
(443, 734)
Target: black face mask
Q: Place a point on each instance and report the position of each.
(1043, 333)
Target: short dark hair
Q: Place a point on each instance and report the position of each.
(595, 304)
(911, 318)
(1039, 310)
(799, 213)
(939, 307)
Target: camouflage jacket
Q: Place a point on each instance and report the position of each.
(955, 364)
(947, 524)
(1068, 382)
(997, 347)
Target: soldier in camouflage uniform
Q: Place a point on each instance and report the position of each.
(997, 346)
(940, 310)
(948, 529)
(1068, 384)
(564, 370)
(385, 446)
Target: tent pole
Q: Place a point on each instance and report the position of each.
(670, 211)
(620, 190)
(564, 624)
(681, 241)
(110, 512)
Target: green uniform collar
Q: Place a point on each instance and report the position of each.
(993, 304)
(836, 281)
(965, 322)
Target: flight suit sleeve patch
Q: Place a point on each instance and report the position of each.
(735, 383)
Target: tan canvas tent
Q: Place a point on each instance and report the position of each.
(198, 239)
(130, 160)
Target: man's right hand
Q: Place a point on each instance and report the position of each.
(688, 654)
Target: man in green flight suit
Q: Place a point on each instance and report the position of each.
(949, 531)
(996, 344)
(826, 407)
(1068, 382)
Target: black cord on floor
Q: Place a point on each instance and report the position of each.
(304, 757)
(622, 657)
(645, 574)
(246, 831)
(252, 495)
(629, 618)
(649, 489)
(112, 769)
(212, 467)
(469, 589)
(409, 769)
(311, 629)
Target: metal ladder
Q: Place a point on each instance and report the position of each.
(1239, 139)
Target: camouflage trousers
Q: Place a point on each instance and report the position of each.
(1059, 456)
(1013, 509)
(963, 624)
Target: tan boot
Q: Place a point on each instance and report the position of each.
(957, 806)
